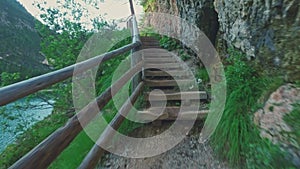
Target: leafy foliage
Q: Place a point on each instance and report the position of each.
(172, 44)
(183, 55)
(62, 41)
(62, 49)
(148, 5)
(73, 11)
(236, 138)
(9, 78)
(169, 43)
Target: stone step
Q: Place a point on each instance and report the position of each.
(159, 56)
(151, 115)
(189, 95)
(157, 52)
(170, 83)
(160, 60)
(150, 47)
(148, 38)
(160, 73)
(165, 66)
(150, 43)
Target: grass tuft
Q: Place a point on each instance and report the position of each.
(236, 138)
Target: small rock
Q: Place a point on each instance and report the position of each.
(257, 117)
(265, 135)
(108, 164)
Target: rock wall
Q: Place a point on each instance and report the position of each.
(198, 12)
(202, 14)
(251, 24)
(264, 29)
(267, 30)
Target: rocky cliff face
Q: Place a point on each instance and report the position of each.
(202, 14)
(198, 12)
(267, 30)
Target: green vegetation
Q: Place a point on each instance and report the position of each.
(169, 43)
(31, 138)
(62, 44)
(174, 45)
(183, 55)
(202, 78)
(75, 153)
(149, 5)
(9, 78)
(236, 138)
(148, 31)
(202, 73)
(20, 43)
(293, 120)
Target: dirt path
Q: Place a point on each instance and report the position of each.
(188, 154)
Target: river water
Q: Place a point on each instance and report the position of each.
(17, 117)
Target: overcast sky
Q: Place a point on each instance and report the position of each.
(110, 9)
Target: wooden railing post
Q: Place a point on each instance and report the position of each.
(131, 7)
(136, 58)
(135, 55)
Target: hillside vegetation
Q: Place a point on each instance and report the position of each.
(20, 42)
(62, 49)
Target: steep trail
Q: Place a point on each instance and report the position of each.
(172, 89)
(171, 94)
(189, 153)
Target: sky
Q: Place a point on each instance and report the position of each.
(109, 9)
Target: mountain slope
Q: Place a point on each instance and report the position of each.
(19, 41)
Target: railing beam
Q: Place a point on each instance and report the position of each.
(47, 151)
(131, 7)
(91, 160)
(24, 88)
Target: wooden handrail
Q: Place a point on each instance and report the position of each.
(131, 7)
(135, 29)
(40, 157)
(49, 149)
(24, 88)
(91, 160)
(135, 55)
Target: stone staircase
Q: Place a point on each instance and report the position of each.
(172, 91)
